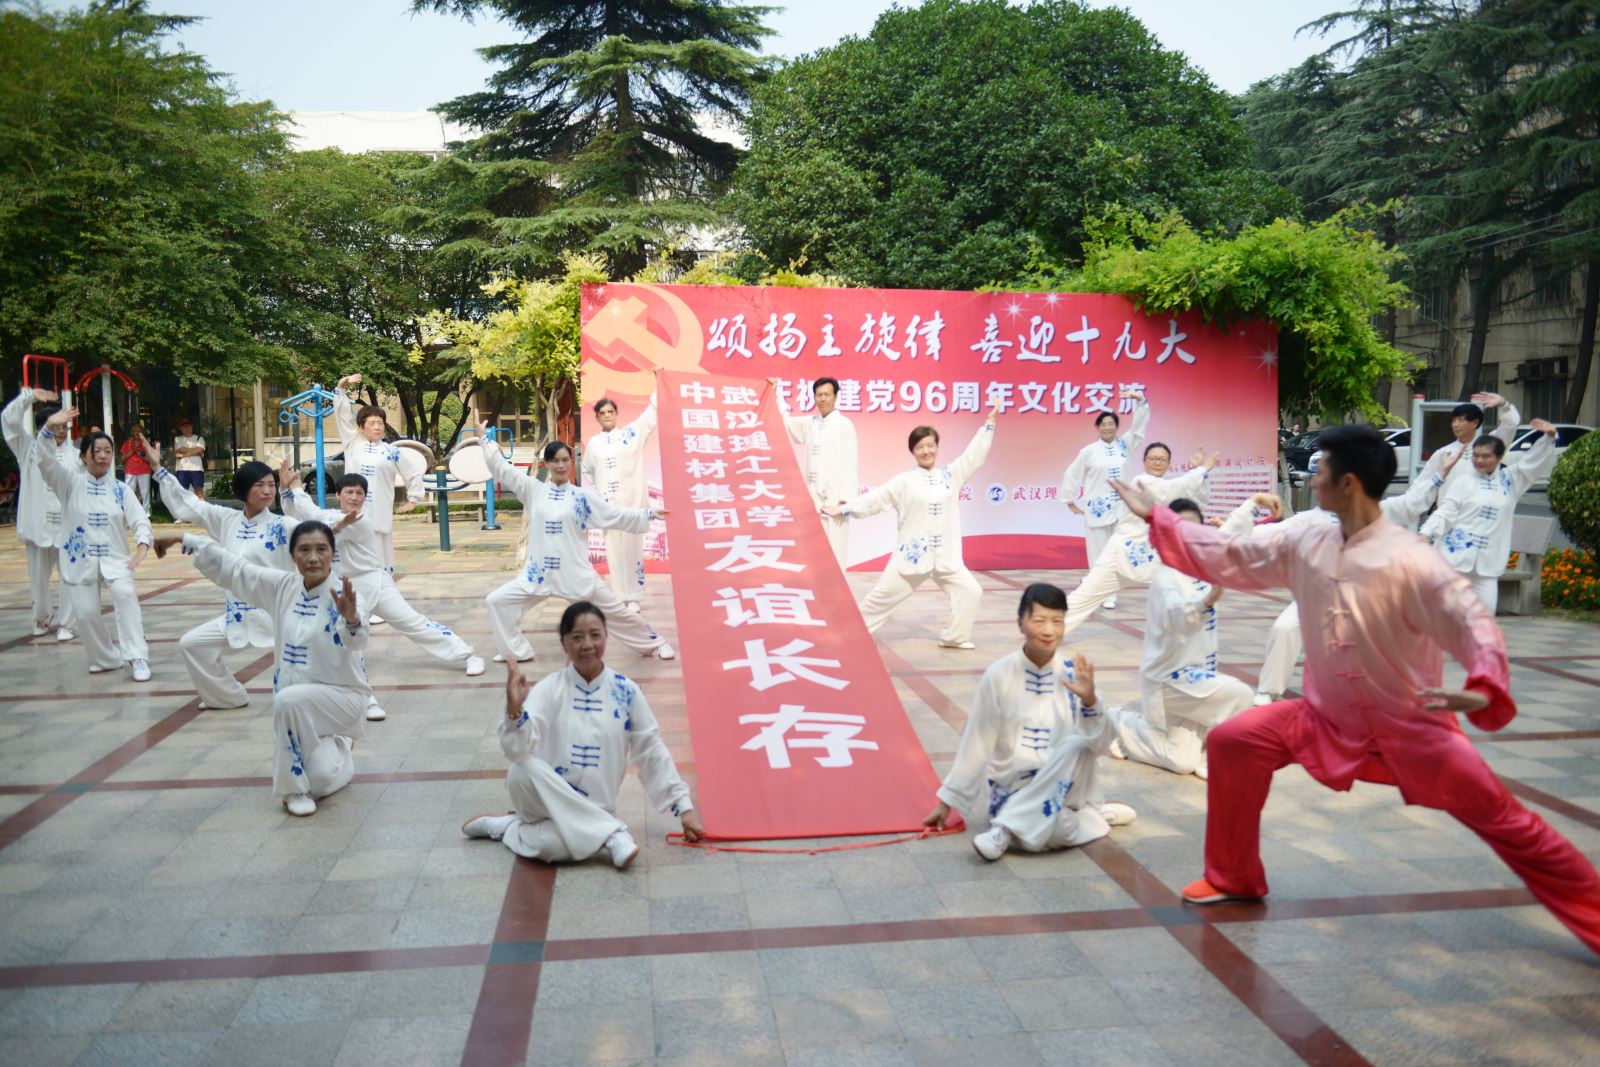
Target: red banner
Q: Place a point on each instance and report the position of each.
(797, 729)
(907, 357)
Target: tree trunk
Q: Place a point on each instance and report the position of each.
(1585, 357)
(1483, 292)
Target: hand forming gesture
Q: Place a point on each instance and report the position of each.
(1452, 700)
(344, 598)
(152, 453)
(1546, 428)
(517, 688)
(1450, 460)
(1140, 500)
(344, 523)
(1082, 684)
(58, 422)
(45, 396)
(1270, 503)
(288, 477)
(1488, 400)
(348, 380)
(166, 543)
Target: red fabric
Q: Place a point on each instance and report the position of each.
(1245, 752)
(133, 458)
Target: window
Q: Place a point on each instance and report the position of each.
(1552, 286)
(1432, 303)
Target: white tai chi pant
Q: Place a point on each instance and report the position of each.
(555, 823)
(1095, 539)
(1488, 589)
(202, 649)
(508, 604)
(313, 726)
(386, 551)
(41, 561)
(893, 588)
(625, 564)
(1171, 732)
(1059, 806)
(838, 531)
(1098, 586)
(84, 601)
(376, 594)
(1283, 652)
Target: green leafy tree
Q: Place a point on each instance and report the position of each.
(615, 94)
(130, 224)
(936, 151)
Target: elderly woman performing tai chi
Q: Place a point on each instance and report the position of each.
(928, 535)
(560, 516)
(613, 467)
(38, 508)
(1091, 472)
(570, 739)
(319, 681)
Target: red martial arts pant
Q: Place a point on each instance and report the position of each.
(1247, 750)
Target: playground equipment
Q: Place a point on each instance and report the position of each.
(105, 374)
(315, 404)
(45, 372)
(467, 463)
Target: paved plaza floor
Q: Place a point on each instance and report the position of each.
(157, 906)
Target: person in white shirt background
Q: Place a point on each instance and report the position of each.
(1092, 470)
(613, 466)
(97, 515)
(189, 458)
(39, 509)
(1472, 525)
(829, 460)
(927, 502)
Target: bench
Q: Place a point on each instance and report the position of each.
(1519, 587)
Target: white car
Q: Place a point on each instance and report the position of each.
(1400, 440)
(1566, 433)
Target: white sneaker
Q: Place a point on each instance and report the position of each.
(1116, 751)
(1263, 698)
(300, 804)
(474, 666)
(1116, 814)
(141, 670)
(95, 668)
(498, 658)
(493, 827)
(1202, 772)
(964, 645)
(375, 713)
(375, 620)
(40, 631)
(666, 651)
(623, 849)
(992, 843)
(64, 634)
(1109, 604)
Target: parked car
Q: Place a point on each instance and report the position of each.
(1400, 440)
(1299, 449)
(1566, 433)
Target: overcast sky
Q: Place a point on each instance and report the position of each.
(374, 55)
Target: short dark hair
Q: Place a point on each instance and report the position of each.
(604, 402)
(48, 412)
(820, 382)
(248, 474)
(575, 611)
(90, 438)
(554, 449)
(1489, 440)
(1112, 415)
(1047, 596)
(1158, 444)
(1468, 411)
(367, 412)
(918, 434)
(1361, 451)
(357, 480)
(310, 526)
(1184, 504)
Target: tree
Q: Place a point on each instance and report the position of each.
(939, 149)
(615, 94)
(130, 229)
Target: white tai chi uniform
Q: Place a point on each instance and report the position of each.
(613, 466)
(264, 541)
(1505, 429)
(1091, 474)
(319, 680)
(927, 504)
(1182, 694)
(379, 463)
(559, 520)
(1473, 523)
(38, 510)
(357, 556)
(97, 514)
(1128, 558)
(569, 752)
(1033, 742)
(1283, 636)
(833, 474)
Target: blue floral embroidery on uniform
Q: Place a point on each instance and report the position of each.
(1054, 804)
(1101, 506)
(1138, 552)
(1459, 540)
(582, 509)
(438, 627)
(275, 537)
(297, 765)
(638, 575)
(76, 546)
(533, 572)
(622, 694)
(913, 551)
(392, 453)
(1197, 672)
(332, 626)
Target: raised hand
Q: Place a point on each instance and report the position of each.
(1140, 501)
(58, 422)
(165, 543)
(1211, 460)
(348, 380)
(1453, 700)
(344, 598)
(1489, 400)
(1450, 460)
(1271, 503)
(1198, 457)
(152, 452)
(340, 526)
(994, 413)
(1546, 428)
(288, 477)
(1082, 686)
(517, 689)
(45, 396)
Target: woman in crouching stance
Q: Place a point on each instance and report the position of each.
(569, 739)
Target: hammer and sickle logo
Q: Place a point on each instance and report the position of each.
(621, 349)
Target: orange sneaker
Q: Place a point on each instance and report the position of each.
(1201, 891)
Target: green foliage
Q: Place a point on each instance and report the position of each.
(130, 225)
(938, 149)
(1575, 492)
(1322, 283)
(614, 94)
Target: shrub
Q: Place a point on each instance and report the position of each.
(1570, 580)
(1575, 492)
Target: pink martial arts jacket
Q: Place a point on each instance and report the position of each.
(1378, 612)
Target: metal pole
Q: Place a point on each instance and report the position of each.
(322, 489)
(105, 395)
(440, 477)
(488, 492)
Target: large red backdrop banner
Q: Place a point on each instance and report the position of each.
(909, 357)
(797, 729)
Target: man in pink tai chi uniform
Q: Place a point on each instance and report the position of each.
(1379, 607)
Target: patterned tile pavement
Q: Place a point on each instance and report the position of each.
(156, 906)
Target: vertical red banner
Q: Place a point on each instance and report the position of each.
(796, 726)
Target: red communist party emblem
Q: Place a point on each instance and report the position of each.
(629, 334)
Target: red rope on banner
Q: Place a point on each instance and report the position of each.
(676, 838)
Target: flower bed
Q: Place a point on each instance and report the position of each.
(1571, 580)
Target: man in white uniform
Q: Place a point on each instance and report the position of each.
(366, 453)
(1091, 472)
(613, 466)
(1466, 422)
(827, 443)
(38, 509)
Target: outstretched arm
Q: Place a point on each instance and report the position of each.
(1255, 561)
(344, 412)
(967, 464)
(1537, 463)
(1441, 603)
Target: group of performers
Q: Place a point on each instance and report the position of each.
(1378, 605)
